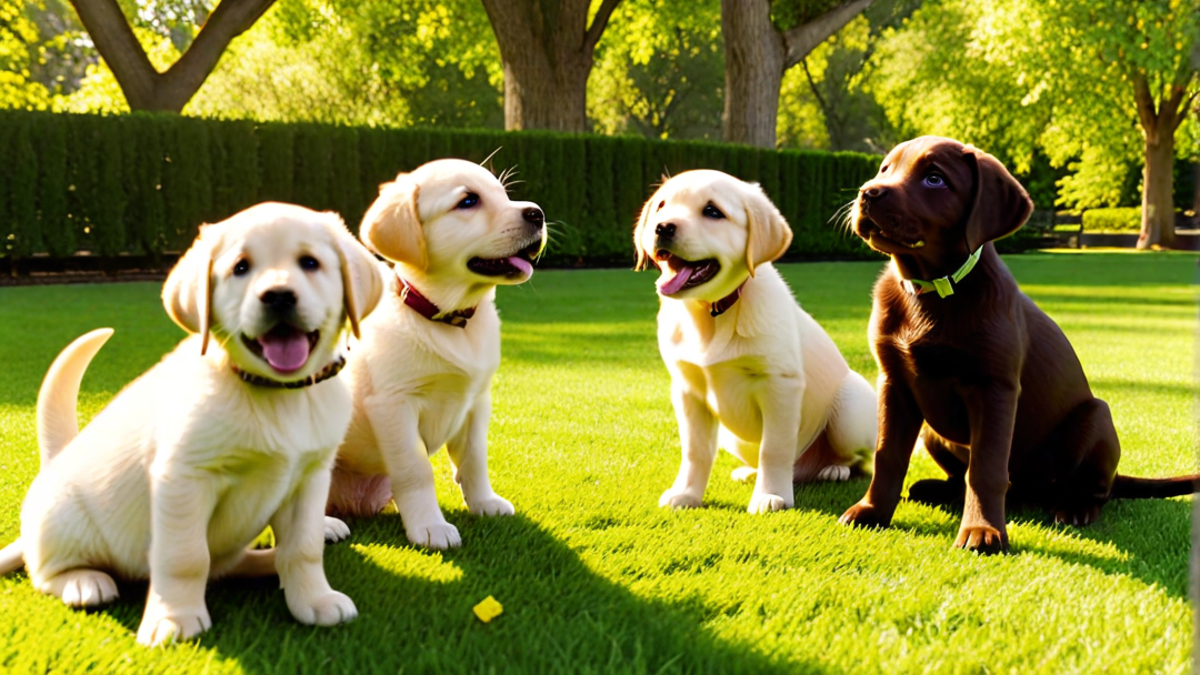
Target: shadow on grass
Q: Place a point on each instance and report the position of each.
(1150, 536)
(415, 613)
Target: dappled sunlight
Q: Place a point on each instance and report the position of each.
(410, 562)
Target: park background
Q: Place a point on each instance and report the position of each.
(125, 125)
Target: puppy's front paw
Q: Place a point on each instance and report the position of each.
(834, 473)
(327, 610)
(864, 514)
(83, 588)
(679, 499)
(765, 502)
(495, 505)
(160, 625)
(744, 474)
(335, 530)
(982, 539)
(434, 535)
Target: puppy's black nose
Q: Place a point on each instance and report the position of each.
(534, 216)
(279, 301)
(874, 193)
(665, 230)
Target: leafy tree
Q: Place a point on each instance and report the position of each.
(1095, 85)
(547, 48)
(763, 39)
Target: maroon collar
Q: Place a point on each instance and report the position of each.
(721, 306)
(413, 298)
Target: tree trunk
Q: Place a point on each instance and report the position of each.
(143, 86)
(547, 49)
(1158, 202)
(756, 56)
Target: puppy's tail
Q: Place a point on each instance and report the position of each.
(57, 421)
(12, 557)
(1130, 487)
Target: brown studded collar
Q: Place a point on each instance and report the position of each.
(325, 373)
(721, 306)
(413, 298)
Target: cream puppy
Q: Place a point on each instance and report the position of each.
(235, 429)
(422, 372)
(750, 370)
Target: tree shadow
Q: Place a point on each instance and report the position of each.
(415, 613)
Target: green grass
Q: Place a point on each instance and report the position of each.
(594, 577)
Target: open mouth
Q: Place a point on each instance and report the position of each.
(685, 274)
(880, 241)
(517, 266)
(285, 348)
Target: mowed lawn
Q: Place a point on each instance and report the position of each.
(594, 577)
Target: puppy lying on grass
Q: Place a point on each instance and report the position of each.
(422, 371)
(750, 370)
(234, 430)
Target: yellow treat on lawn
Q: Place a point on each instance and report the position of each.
(488, 609)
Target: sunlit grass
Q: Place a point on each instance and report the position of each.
(594, 577)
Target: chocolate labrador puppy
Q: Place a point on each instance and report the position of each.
(969, 363)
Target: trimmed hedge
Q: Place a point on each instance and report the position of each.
(142, 183)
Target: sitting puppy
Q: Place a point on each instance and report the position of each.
(969, 363)
(423, 369)
(175, 478)
(743, 356)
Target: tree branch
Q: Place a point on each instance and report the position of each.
(230, 19)
(599, 23)
(1145, 104)
(801, 40)
(120, 49)
(813, 86)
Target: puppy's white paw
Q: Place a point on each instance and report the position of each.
(327, 610)
(335, 530)
(744, 474)
(834, 473)
(679, 499)
(160, 626)
(434, 535)
(495, 505)
(765, 503)
(83, 588)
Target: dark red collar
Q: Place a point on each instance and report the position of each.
(413, 298)
(721, 306)
(325, 373)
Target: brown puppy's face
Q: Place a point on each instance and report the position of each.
(935, 195)
(920, 197)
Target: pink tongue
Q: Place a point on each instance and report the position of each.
(287, 352)
(676, 283)
(521, 264)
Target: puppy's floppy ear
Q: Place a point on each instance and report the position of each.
(392, 226)
(1000, 207)
(187, 293)
(362, 286)
(767, 233)
(643, 259)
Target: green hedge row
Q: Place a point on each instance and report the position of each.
(142, 183)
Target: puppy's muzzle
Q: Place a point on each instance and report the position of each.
(664, 233)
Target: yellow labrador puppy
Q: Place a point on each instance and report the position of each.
(235, 429)
(422, 372)
(750, 370)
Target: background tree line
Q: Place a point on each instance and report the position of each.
(1092, 102)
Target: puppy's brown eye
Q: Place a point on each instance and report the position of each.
(241, 267)
(883, 169)
(712, 212)
(471, 200)
(309, 263)
(661, 204)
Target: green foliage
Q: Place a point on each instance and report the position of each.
(145, 182)
(1124, 219)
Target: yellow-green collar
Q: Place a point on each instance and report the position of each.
(943, 285)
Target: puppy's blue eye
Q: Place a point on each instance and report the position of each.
(469, 201)
(241, 267)
(309, 263)
(935, 180)
(712, 212)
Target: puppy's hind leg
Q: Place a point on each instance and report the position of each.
(846, 445)
(747, 452)
(81, 588)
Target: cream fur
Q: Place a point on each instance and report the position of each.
(763, 380)
(419, 384)
(188, 464)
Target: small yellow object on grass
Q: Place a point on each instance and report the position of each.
(488, 609)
